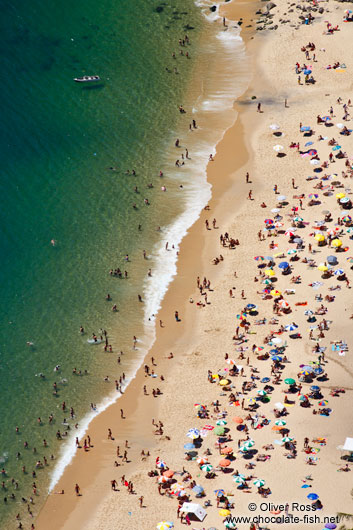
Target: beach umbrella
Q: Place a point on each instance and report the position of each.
(323, 403)
(224, 512)
(298, 219)
(281, 198)
(189, 446)
(276, 210)
(221, 422)
(251, 401)
(227, 451)
(281, 423)
(259, 482)
(318, 370)
(332, 260)
(207, 468)
(202, 460)
(259, 258)
(219, 431)
(287, 439)
(239, 480)
(224, 382)
(346, 218)
(305, 128)
(339, 272)
(323, 268)
(176, 487)
(312, 496)
(336, 147)
(339, 125)
(248, 444)
(314, 388)
(198, 489)
(313, 195)
(219, 493)
(340, 195)
(278, 225)
(163, 480)
(303, 398)
(275, 292)
(283, 304)
(267, 282)
(289, 381)
(268, 221)
(308, 143)
(349, 230)
(237, 419)
(193, 433)
(319, 237)
(269, 272)
(274, 127)
(165, 525)
(289, 233)
(161, 464)
(262, 392)
(277, 340)
(336, 243)
(291, 251)
(304, 372)
(283, 265)
(307, 368)
(307, 72)
(224, 462)
(251, 307)
(308, 312)
(277, 147)
(276, 358)
(230, 525)
(291, 327)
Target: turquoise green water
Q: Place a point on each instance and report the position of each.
(58, 139)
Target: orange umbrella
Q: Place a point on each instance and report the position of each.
(226, 451)
(169, 473)
(277, 428)
(224, 462)
(237, 419)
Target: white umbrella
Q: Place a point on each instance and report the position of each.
(274, 127)
(314, 162)
(275, 210)
(281, 198)
(277, 147)
(339, 125)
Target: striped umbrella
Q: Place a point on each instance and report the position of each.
(165, 525)
(161, 465)
(287, 439)
(291, 251)
(251, 401)
(221, 422)
(193, 433)
(259, 482)
(280, 422)
(163, 480)
(239, 480)
(262, 393)
(202, 460)
(207, 468)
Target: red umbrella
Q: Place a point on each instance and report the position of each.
(224, 462)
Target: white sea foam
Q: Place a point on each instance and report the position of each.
(216, 104)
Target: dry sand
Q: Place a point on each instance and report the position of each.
(200, 341)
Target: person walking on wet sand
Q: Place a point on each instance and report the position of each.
(141, 501)
(176, 314)
(110, 435)
(250, 195)
(122, 414)
(259, 107)
(77, 490)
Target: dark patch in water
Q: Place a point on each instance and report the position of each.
(188, 27)
(159, 9)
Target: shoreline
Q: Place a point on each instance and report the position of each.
(129, 402)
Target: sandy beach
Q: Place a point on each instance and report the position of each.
(305, 306)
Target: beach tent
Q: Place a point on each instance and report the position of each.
(348, 445)
(196, 509)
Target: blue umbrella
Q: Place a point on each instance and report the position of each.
(197, 489)
(189, 446)
(308, 143)
(314, 388)
(219, 493)
(313, 496)
(318, 370)
(265, 380)
(305, 128)
(251, 306)
(275, 350)
(307, 71)
(276, 358)
(332, 260)
(336, 148)
(326, 118)
(291, 327)
(283, 265)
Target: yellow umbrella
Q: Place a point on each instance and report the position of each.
(340, 195)
(269, 272)
(224, 382)
(215, 376)
(336, 243)
(320, 237)
(224, 513)
(323, 268)
(274, 292)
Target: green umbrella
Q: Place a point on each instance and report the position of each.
(259, 482)
(280, 422)
(289, 381)
(219, 431)
(207, 468)
(221, 422)
(287, 439)
(262, 393)
(239, 480)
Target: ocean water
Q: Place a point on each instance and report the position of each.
(59, 141)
